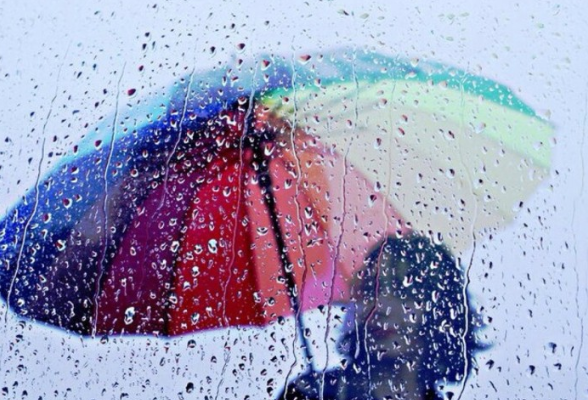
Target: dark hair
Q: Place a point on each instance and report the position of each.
(426, 277)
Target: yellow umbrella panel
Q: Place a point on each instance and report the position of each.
(453, 152)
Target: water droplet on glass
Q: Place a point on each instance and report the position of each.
(212, 246)
(407, 281)
(61, 245)
(304, 58)
(129, 315)
(269, 149)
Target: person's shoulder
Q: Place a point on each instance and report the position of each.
(311, 385)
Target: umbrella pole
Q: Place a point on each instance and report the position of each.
(265, 183)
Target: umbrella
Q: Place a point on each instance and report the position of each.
(254, 192)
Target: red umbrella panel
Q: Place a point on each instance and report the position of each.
(212, 241)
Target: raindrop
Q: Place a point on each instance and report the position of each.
(212, 246)
(269, 149)
(304, 58)
(129, 315)
(407, 281)
(479, 128)
(61, 245)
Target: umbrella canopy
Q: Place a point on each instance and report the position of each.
(255, 192)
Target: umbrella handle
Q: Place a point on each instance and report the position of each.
(265, 184)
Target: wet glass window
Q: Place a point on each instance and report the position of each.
(303, 201)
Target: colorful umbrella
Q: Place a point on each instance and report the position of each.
(255, 192)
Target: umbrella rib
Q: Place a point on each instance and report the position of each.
(265, 184)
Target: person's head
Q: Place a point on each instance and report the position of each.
(411, 314)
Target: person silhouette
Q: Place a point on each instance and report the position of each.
(409, 327)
